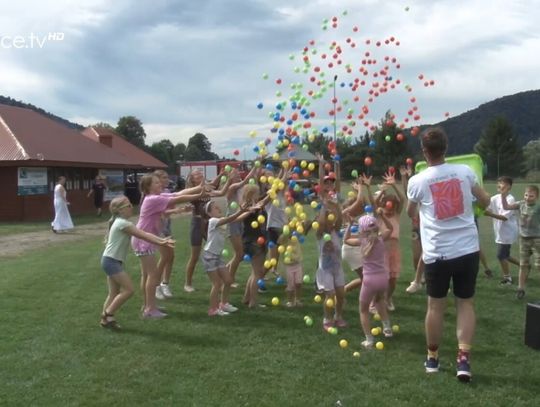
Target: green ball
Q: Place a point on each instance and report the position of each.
(233, 205)
(327, 237)
(257, 163)
(354, 174)
(307, 279)
(251, 181)
(387, 138)
(309, 321)
(225, 253)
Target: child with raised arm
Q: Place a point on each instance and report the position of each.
(505, 227)
(114, 258)
(215, 267)
(152, 208)
(392, 205)
(330, 276)
(375, 275)
(236, 228)
(529, 233)
(254, 240)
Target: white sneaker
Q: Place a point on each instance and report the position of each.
(165, 290)
(217, 311)
(413, 287)
(188, 288)
(159, 294)
(390, 305)
(228, 308)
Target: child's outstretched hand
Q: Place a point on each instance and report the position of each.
(389, 178)
(168, 242)
(365, 179)
(405, 171)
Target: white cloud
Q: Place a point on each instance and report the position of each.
(183, 67)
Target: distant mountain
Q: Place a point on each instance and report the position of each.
(522, 111)
(5, 100)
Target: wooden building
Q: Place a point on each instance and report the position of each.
(35, 150)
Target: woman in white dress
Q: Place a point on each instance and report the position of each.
(62, 219)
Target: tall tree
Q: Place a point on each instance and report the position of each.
(498, 146)
(389, 144)
(199, 145)
(132, 130)
(531, 151)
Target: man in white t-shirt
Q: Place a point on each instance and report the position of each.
(443, 196)
(505, 227)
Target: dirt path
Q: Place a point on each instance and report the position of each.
(15, 245)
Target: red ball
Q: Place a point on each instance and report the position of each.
(261, 241)
(236, 152)
(368, 161)
(391, 170)
(389, 205)
(409, 161)
(399, 137)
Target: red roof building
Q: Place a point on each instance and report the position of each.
(35, 150)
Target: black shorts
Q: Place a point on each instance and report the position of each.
(197, 231)
(461, 270)
(503, 251)
(252, 248)
(274, 234)
(98, 202)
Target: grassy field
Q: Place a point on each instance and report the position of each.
(10, 228)
(53, 352)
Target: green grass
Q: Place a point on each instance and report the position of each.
(10, 228)
(53, 352)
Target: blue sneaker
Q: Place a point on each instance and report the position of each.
(432, 365)
(463, 370)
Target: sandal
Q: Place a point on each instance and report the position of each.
(108, 321)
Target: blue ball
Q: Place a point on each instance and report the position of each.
(289, 122)
(337, 157)
(354, 229)
(372, 143)
(256, 149)
(292, 184)
(301, 239)
(281, 137)
(303, 111)
(297, 170)
(280, 280)
(247, 257)
(261, 284)
(307, 191)
(273, 130)
(269, 167)
(307, 116)
(271, 244)
(259, 105)
(279, 107)
(293, 105)
(325, 130)
(368, 209)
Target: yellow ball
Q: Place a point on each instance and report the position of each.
(288, 210)
(273, 262)
(286, 230)
(303, 164)
(252, 133)
(343, 343)
(294, 238)
(275, 202)
(331, 217)
(379, 346)
(376, 317)
(271, 179)
(285, 164)
(300, 229)
(356, 354)
(261, 219)
(313, 204)
(351, 194)
(281, 184)
(275, 156)
(311, 166)
(375, 331)
(275, 301)
(281, 249)
(329, 303)
(287, 259)
(317, 299)
(395, 329)
(303, 216)
(315, 225)
(254, 224)
(286, 142)
(267, 264)
(263, 179)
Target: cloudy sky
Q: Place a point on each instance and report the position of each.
(184, 66)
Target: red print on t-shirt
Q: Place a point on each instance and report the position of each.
(448, 199)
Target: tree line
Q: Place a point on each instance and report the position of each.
(372, 153)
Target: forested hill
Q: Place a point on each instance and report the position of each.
(522, 111)
(5, 100)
